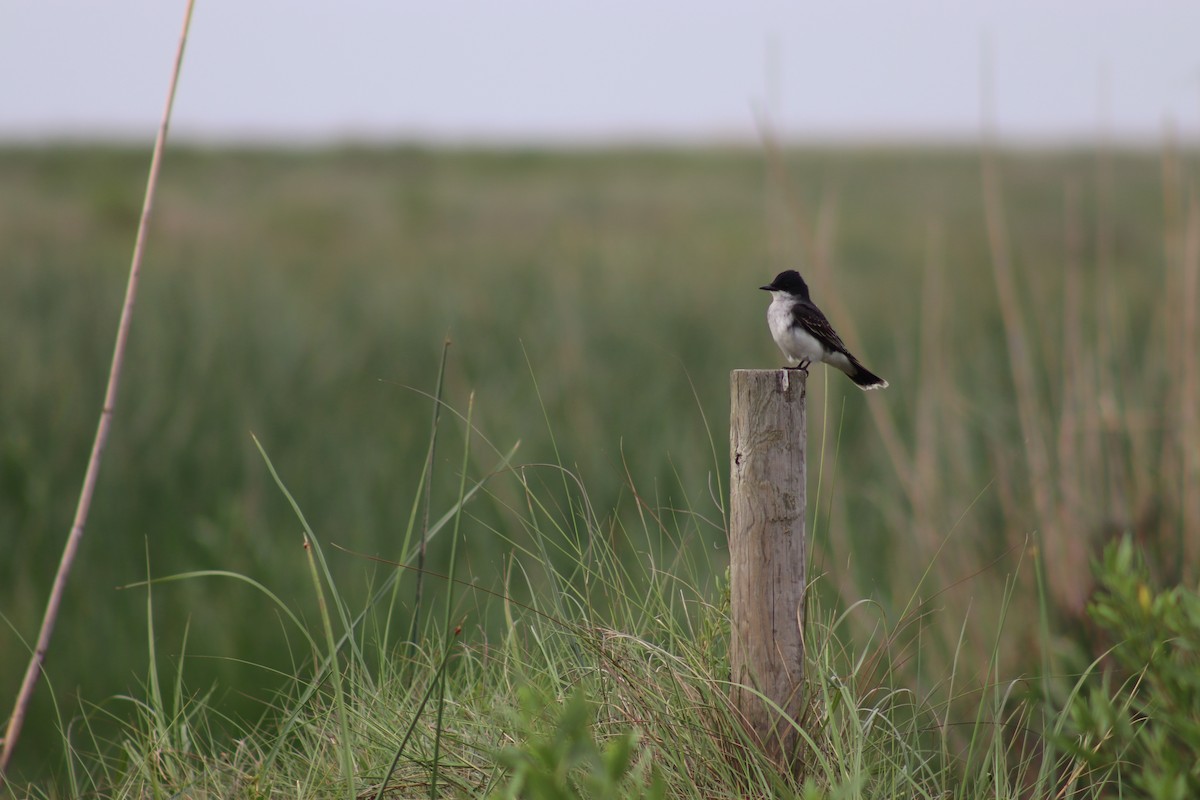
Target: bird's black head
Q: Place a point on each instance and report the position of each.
(788, 281)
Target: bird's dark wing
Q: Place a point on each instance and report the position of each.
(809, 317)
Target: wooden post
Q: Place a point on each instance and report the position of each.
(767, 551)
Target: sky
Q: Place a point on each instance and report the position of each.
(569, 71)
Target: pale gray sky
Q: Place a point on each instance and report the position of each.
(569, 70)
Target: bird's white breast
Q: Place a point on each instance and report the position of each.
(795, 342)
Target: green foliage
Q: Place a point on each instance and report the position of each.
(1137, 724)
(648, 712)
(596, 301)
(565, 762)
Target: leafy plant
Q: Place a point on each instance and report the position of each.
(567, 763)
(1141, 737)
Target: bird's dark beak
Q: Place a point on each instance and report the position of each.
(767, 288)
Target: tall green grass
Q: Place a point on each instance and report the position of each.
(1037, 329)
(609, 681)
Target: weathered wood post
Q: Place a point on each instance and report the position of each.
(767, 549)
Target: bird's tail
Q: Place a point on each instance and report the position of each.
(865, 379)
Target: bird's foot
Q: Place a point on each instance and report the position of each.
(802, 366)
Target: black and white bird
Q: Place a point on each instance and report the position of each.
(804, 335)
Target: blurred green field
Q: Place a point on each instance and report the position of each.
(303, 296)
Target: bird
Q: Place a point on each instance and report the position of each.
(805, 335)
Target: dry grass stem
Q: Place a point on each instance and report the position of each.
(33, 672)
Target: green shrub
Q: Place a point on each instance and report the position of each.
(1137, 725)
(567, 764)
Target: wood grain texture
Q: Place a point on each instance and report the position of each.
(767, 549)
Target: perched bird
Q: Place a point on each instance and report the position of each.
(804, 335)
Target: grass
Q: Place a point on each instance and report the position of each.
(636, 663)
(1038, 330)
